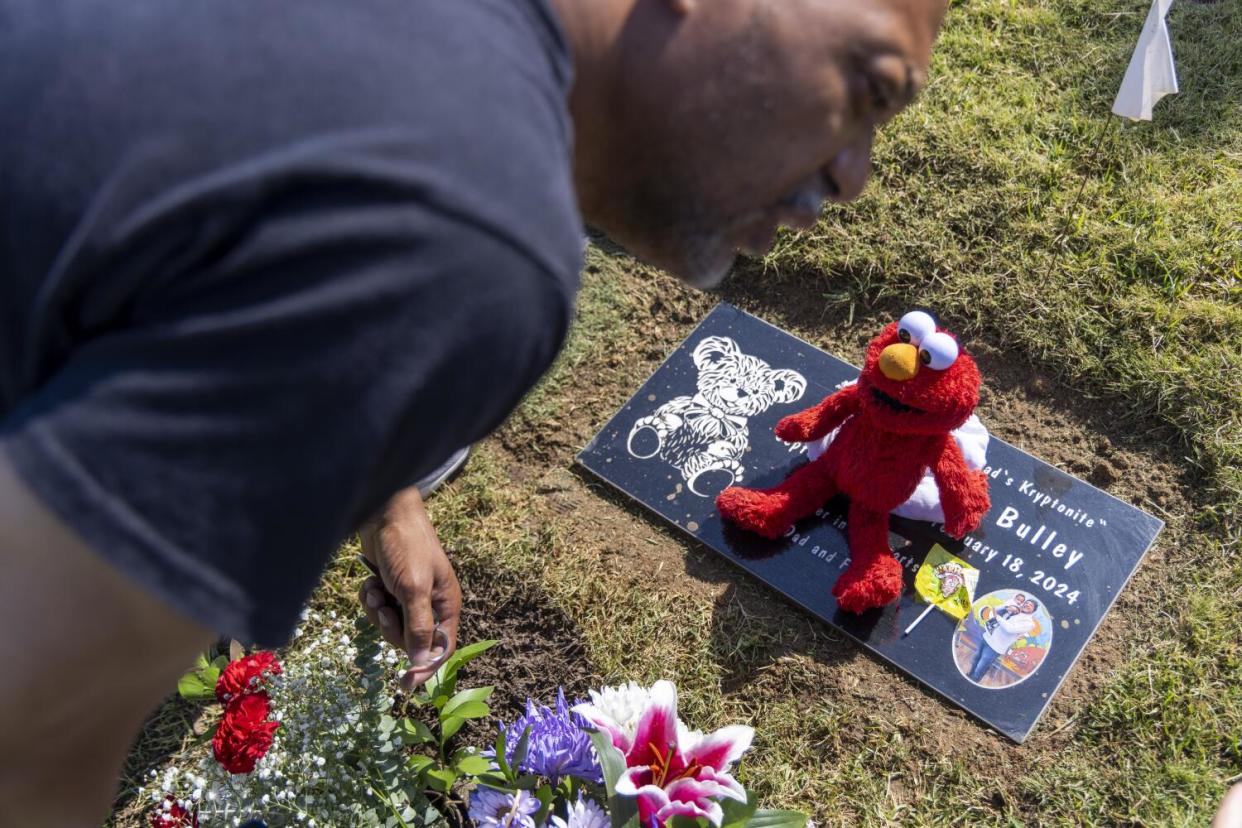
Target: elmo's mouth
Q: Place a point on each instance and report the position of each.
(894, 404)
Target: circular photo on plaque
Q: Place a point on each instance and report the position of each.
(1003, 639)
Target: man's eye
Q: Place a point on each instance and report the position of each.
(881, 96)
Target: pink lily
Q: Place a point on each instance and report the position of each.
(673, 771)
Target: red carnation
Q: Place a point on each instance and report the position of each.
(244, 735)
(246, 675)
(173, 816)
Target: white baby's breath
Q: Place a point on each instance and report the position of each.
(312, 774)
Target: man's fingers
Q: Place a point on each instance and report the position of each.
(380, 610)
(446, 606)
(372, 593)
(447, 603)
(420, 623)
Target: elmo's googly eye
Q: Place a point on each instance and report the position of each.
(915, 326)
(938, 351)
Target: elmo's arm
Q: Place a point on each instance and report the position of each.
(818, 420)
(963, 492)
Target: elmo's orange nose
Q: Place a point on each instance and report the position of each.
(899, 361)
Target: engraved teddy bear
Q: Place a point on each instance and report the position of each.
(707, 432)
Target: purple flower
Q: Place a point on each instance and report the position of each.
(490, 808)
(558, 746)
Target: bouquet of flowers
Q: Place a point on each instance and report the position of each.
(623, 759)
(304, 740)
(313, 740)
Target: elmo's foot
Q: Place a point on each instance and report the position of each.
(869, 583)
(764, 513)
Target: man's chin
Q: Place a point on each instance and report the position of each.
(699, 259)
(699, 262)
(707, 274)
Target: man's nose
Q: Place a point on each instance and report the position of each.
(850, 168)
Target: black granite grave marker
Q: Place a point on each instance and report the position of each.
(1050, 539)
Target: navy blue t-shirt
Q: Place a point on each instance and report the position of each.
(265, 262)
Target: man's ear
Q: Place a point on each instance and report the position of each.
(789, 385)
(714, 350)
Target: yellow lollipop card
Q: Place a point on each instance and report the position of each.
(946, 582)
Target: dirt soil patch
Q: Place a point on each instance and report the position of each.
(540, 647)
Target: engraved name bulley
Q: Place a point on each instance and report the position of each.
(1053, 552)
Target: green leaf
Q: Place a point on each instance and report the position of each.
(470, 652)
(737, 814)
(199, 685)
(501, 750)
(441, 779)
(200, 663)
(545, 804)
(204, 738)
(440, 687)
(478, 694)
(220, 662)
(443, 683)
(449, 727)
(414, 732)
(777, 819)
(492, 779)
(418, 764)
(610, 760)
(466, 710)
(624, 811)
(474, 765)
(521, 749)
(682, 821)
(429, 816)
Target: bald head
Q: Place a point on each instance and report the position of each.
(704, 124)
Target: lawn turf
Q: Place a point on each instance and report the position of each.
(1112, 321)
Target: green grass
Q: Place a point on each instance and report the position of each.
(1129, 302)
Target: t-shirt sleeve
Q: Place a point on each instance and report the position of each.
(221, 438)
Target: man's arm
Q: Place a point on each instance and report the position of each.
(86, 653)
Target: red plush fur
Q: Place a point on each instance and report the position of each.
(892, 431)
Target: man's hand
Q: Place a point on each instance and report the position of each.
(417, 586)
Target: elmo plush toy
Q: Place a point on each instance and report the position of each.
(896, 423)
